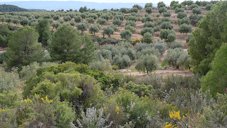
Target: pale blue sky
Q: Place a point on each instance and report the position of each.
(107, 1)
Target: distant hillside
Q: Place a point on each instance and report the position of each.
(10, 8)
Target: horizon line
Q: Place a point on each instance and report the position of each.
(155, 2)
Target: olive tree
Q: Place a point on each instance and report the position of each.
(93, 29)
(147, 38)
(126, 35)
(168, 35)
(147, 63)
(185, 28)
(82, 27)
(108, 31)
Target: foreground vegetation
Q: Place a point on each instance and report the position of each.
(55, 75)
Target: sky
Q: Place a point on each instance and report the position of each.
(99, 4)
(100, 1)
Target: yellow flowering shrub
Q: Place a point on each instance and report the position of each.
(46, 100)
(175, 115)
(27, 100)
(169, 125)
(2, 110)
(117, 109)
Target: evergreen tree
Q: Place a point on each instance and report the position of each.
(23, 48)
(69, 45)
(208, 38)
(216, 79)
(43, 29)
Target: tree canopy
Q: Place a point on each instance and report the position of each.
(69, 45)
(43, 28)
(23, 48)
(208, 37)
(216, 79)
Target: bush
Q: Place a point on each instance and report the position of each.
(208, 6)
(161, 4)
(30, 70)
(147, 64)
(166, 14)
(147, 19)
(77, 19)
(132, 18)
(80, 87)
(185, 20)
(175, 44)
(67, 18)
(32, 112)
(194, 19)
(148, 24)
(4, 35)
(93, 29)
(82, 27)
(177, 58)
(145, 30)
(117, 22)
(148, 51)
(177, 10)
(126, 35)
(94, 118)
(122, 61)
(90, 20)
(168, 35)
(131, 23)
(135, 10)
(147, 38)
(8, 81)
(24, 22)
(108, 31)
(148, 5)
(103, 65)
(196, 11)
(162, 10)
(166, 25)
(130, 28)
(160, 47)
(184, 28)
(101, 21)
(181, 15)
(148, 10)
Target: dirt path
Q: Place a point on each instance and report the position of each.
(167, 72)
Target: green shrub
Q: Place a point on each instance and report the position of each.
(177, 58)
(103, 65)
(126, 35)
(101, 21)
(147, 29)
(147, 64)
(68, 86)
(166, 25)
(168, 35)
(216, 78)
(94, 118)
(181, 15)
(147, 38)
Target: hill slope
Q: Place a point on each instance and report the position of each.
(10, 8)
